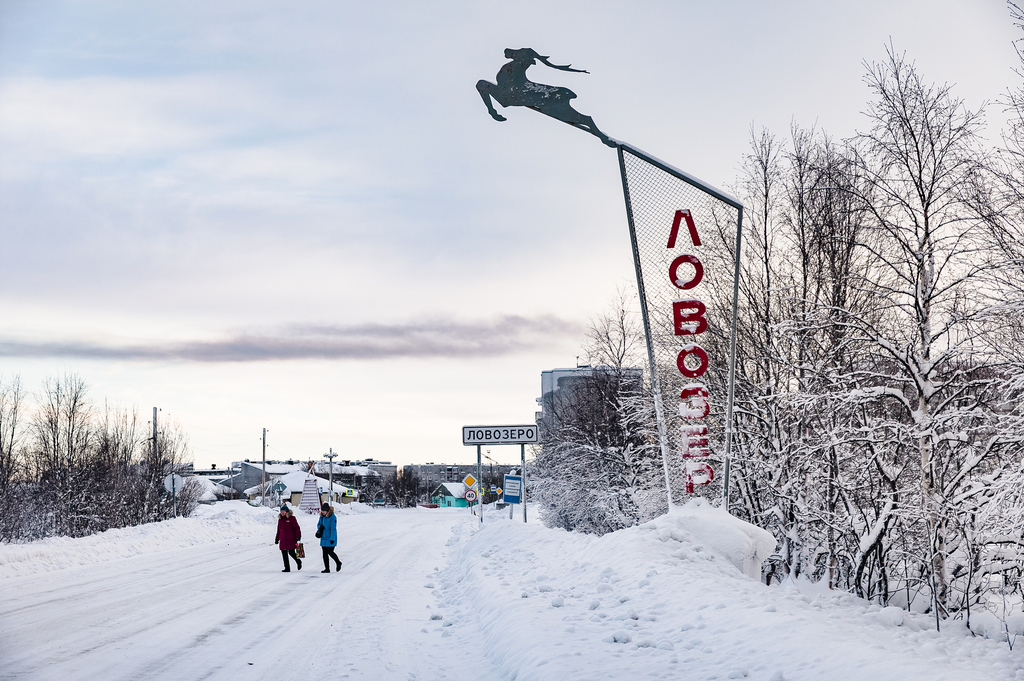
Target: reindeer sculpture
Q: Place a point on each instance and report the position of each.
(513, 88)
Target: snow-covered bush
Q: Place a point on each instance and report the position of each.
(75, 469)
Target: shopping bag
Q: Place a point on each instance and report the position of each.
(299, 551)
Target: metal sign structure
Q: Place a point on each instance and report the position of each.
(686, 238)
(500, 435)
(511, 489)
(521, 435)
(172, 483)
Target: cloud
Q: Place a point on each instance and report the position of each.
(428, 339)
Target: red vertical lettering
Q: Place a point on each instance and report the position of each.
(695, 351)
(694, 445)
(690, 225)
(698, 271)
(689, 323)
(699, 474)
(694, 402)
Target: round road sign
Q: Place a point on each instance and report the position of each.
(173, 482)
(471, 495)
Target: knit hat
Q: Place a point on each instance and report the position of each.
(325, 508)
(284, 507)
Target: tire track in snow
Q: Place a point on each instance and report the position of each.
(210, 611)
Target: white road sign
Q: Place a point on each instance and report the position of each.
(470, 495)
(173, 482)
(499, 435)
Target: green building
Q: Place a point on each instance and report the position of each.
(450, 494)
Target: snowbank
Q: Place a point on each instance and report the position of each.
(222, 521)
(700, 524)
(677, 598)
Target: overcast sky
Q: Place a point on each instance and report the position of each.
(299, 216)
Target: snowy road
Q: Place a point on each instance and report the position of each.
(430, 595)
(225, 610)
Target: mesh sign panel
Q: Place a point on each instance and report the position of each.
(684, 235)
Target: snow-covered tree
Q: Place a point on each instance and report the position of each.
(598, 468)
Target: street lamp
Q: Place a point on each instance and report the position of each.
(487, 456)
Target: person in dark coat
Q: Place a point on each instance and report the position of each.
(288, 535)
(327, 528)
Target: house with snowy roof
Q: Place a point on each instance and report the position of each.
(295, 482)
(451, 494)
(250, 473)
(210, 491)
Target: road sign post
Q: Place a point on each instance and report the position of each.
(522, 453)
(278, 489)
(501, 435)
(470, 482)
(172, 483)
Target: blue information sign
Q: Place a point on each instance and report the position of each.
(512, 490)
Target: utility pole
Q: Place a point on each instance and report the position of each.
(153, 459)
(330, 457)
(263, 493)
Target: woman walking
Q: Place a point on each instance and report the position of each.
(327, 530)
(288, 535)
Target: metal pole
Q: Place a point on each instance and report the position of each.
(263, 492)
(153, 461)
(522, 454)
(659, 408)
(174, 493)
(732, 361)
(330, 456)
(479, 482)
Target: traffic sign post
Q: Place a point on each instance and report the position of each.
(172, 483)
(522, 453)
(512, 491)
(501, 435)
(278, 489)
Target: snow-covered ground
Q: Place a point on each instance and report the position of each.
(430, 594)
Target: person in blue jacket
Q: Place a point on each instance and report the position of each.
(327, 530)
